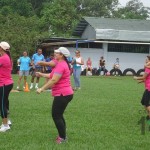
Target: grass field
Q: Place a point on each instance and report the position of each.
(103, 115)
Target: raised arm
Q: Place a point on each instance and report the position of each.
(50, 83)
(43, 63)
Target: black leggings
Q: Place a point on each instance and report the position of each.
(59, 105)
(4, 101)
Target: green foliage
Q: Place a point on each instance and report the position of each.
(60, 16)
(134, 9)
(21, 32)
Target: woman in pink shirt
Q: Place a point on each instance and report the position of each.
(6, 84)
(146, 79)
(61, 90)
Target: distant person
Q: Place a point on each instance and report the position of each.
(18, 65)
(37, 68)
(77, 62)
(146, 95)
(70, 63)
(89, 66)
(49, 68)
(6, 84)
(102, 66)
(116, 66)
(24, 62)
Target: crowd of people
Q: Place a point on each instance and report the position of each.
(27, 66)
(56, 69)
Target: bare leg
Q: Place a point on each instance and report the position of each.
(32, 79)
(5, 120)
(25, 80)
(148, 111)
(19, 80)
(37, 79)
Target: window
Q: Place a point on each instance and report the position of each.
(128, 48)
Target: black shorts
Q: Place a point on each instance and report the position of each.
(146, 98)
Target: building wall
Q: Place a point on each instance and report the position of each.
(89, 33)
(127, 60)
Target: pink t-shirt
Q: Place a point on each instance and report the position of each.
(147, 81)
(63, 86)
(5, 70)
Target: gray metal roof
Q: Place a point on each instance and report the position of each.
(116, 29)
(119, 24)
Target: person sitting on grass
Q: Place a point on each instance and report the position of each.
(102, 66)
(116, 66)
(146, 95)
(89, 66)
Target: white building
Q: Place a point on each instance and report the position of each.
(128, 40)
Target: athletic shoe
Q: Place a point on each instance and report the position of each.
(74, 89)
(9, 122)
(31, 87)
(23, 87)
(60, 140)
(36, 87)
(4, 128)
(17, 88)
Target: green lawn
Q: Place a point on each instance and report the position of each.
(103, 115)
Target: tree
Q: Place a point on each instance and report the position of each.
(97, 8)
(22, 7)
(60, 17)
(134, 9)
(21, 32)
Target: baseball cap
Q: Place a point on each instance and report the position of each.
(5, 46)
(63, 50)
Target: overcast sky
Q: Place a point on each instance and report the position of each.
(146, 3)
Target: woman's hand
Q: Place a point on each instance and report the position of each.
(39, 91)
(40, 63)
(135, 78)
(38, 74)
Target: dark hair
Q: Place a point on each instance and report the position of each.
(67, 62)
(8, 53)
(148, 57)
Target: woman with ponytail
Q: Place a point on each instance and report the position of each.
(6, 84)
(61, 89)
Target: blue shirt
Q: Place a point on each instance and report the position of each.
(48, 60)
(69, 59)
(25, 63)
(36, 58)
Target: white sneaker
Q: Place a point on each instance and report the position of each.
(9, 122)
(4, 128)
(36, 87)
(17, 88)
(31, 87)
